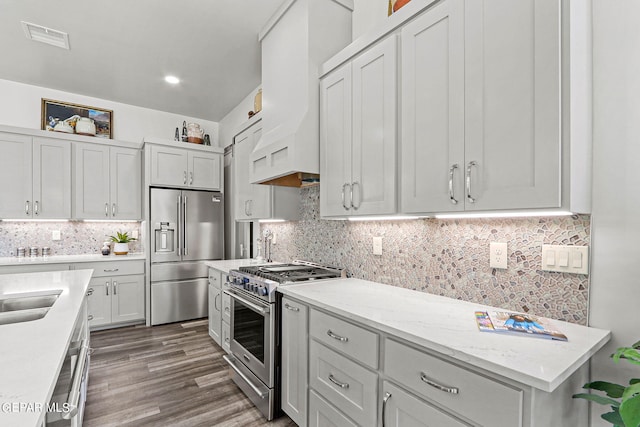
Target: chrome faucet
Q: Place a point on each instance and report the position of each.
(268, 236)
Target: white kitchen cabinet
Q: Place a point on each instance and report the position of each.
(116, 294)
(259, 201)
(35, 177)
(323, 414)
(401, 409)
(107, 182)
(294, 360)
(184, 167)
(215, 305)
(358, 134)
(481, 122)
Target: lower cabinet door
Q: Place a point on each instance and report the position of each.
(99, 301)
(294, 360)
(215, 315)
(127, 299)
(401, 409)
(226, 337)
(322, 414)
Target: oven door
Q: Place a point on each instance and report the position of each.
(253, 335)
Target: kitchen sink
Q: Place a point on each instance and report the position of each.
(24, 307)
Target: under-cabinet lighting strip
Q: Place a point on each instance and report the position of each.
(503, 214)
(33, 220)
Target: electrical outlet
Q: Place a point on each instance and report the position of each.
(273, 239)
(377, 245)
(497, 255)
(55, 235)
(134, 234)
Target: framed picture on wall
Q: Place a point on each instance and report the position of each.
(61, 116)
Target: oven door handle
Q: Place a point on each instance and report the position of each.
(252, 306)
(233, 366)
(74, 394)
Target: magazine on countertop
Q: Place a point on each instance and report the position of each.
(508, 322)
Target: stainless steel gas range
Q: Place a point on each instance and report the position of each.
(255, 326)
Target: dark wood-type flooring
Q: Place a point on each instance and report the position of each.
(169, 375)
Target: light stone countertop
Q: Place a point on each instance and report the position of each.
(33, 352)
(233, 264)
(448, 326)
(69, 259)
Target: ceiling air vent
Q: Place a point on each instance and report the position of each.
(42, 34)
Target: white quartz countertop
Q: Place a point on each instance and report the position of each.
(233, 264)
(70, 259)
(448, 326)
(33, 352)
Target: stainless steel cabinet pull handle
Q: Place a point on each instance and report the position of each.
(36, 208)
(250, 207)
(246, 207)
(26, 207)
(90, 292)
(113, 209)
(106, 209)
(451, 195)
(452, 390)
(215, 302)
(290, 307)
(246, 357)
(106, 286)
(190, 178)
(469, 166)
(185, 177)
(110, 270)
(386, 398)
(338, 383)
(226, 340)
(115, 288)
(343, 199)
(359, 195)
(337, 337)
(90, 317)
(226, 309)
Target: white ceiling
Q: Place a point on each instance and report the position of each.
(121, 50)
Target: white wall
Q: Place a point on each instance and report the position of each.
(367, 14)
(21, 106)
(230, 124)
(615, 286)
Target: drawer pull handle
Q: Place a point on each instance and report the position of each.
(90, 292)
(226, 340)
(337, 337)
(386, 398)
(290, 307)
(90, 317)
(452, 390)
(338, 383)
(111, 270)
(226, 309)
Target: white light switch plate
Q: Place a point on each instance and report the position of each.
(377, 245)
(565, 258)
(55, 235)
(134, 234)
(498, 255)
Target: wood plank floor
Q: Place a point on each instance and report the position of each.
(169, 375)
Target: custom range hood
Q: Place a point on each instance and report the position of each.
(300, 36)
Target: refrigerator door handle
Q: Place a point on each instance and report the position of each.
(178, 242)
(184, 225)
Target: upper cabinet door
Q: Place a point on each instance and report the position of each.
(253, 201)
(205, 170)
(15, 176)
(125, 183)
(335, 142)
(169, 166)
(51, 178)
(92, 181)
(512, 120)
(374, 129)
(432, 143)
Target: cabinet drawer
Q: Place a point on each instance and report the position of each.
(226, 337)
(356, 342)
(112, 268)
(347, 385)
(322, 414)
(487, 402)
(226, 308)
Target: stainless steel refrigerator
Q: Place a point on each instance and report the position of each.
(187, 227)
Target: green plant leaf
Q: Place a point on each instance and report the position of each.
(629, 354)
(614, 418)
(630, 411)
(611, 389)
(634, 381)
(636, 345)
(602, 400)
(630, 391)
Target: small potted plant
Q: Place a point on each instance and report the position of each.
(121, 240)
(624, 400)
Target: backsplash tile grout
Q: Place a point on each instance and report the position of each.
(447, 257)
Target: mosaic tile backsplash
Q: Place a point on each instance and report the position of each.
(77, 238)
(447, 257)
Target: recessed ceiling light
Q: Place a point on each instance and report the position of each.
(42, 34)
(172, 80)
